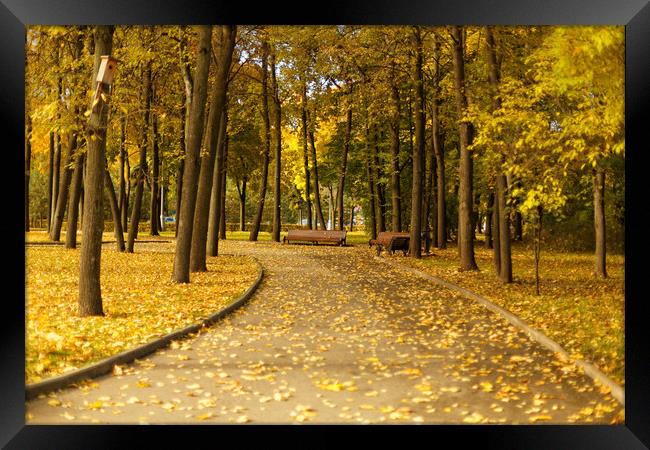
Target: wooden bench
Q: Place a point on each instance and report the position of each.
(316, 236)
(391, 241)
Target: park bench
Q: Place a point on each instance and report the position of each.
(391, 241)
(316, 236)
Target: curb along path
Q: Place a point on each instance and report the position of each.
(106, 365)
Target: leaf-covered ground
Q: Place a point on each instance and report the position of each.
(140, 302)
(331, 336)
(584, 314)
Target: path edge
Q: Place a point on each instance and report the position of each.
(106, 365)
(617, 391)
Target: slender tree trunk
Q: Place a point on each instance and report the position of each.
(505, 273)
(438, 150)
(465, 229)
(142, 169)
(155, 174)
(306, 154)
(242, 205)
(90, 297)
(222, 221)
(344, 164)
(123, 204)
(227, 35)
(181, 272)
(502, 211)
(496, 238)
(277, 128)
(396, 189)
(73, 203)
(415, 248)
(50, 181)
(371, 190)
(518, 227)
(28, 166)
(257, 220)
(64, 184)
(429, 197)
(188, 84)
(352, 218)
(599, 222)
(380, 210)
(117, 225)
(217, 186)
(317, 202)
(537, 246)
(488, 220)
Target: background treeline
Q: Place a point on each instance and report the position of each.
(461, 135)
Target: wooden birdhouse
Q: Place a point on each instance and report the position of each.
(107, 69)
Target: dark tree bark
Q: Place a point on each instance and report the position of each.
(123, 157)
(465, 228)
(115, 211)
(395, 184)
(502, 210)
(488, 220)
(64, 184)
(496, 238)
(28, 166)
(599, 222)
(73, 203)
(142, 169)
(217, 187)
(90, 297)
(181, 272)
(306, 154)
(50, 181)
(344, 164)
(317, 202)
(439, 152)
(226, 43)
(415, 248)
(429, 197)
(277, 128)
(222, 221)
(188, 84)
(518, 226)
(371, 189)
(242, 204)
(380, 210)
(257, 219)
(155, 185)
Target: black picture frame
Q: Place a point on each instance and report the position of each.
(634, 14)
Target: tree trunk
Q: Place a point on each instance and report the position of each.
(380, 209)
(90, 297)
(50, 181)
(306, 154)
(226, 34)
(277, 128)
(317, 202)
(344, 163)
(28, 165)
(496, 238)
(142, 169)
(488, 220)
(518, 227)
(441, 206)
(371, 190)
(154, 206)
(73, 203)
(64, 184)
(505, 274)
(429, 197)
(242, 205)
(465, 229)
(181, 271)
(599, 221)
(117, 225)
(222, 221)
(502, 210)
(124, 200)
(267, 146)
(395, 182)
(217, 186)
(415, 248)
(537, 246)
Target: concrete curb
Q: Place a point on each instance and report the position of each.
(592, 371)
(106, 366)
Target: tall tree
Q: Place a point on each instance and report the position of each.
(90, 297)
(226, 42)
(317, 202)
(303, 116)
(344, 162)
(28, 164)
(277, 130)
(396, 190)
(217, 188)
(415, 248)
(438, 150)
(73, 201)
(465, 228)
(142, 165)
(181, 272)
(154, 206)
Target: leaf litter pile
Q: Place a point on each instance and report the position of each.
(331, 336)
(140, 303)
(584, 314)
